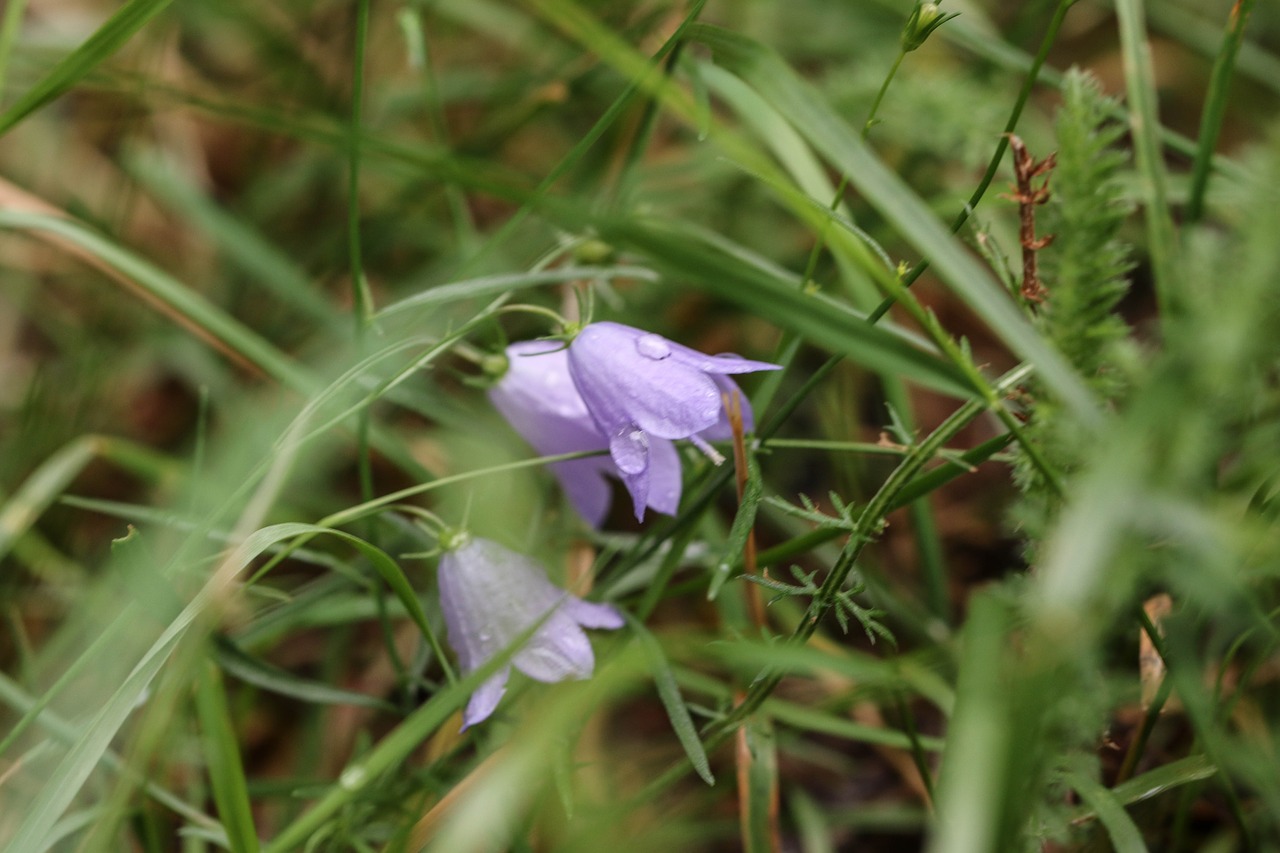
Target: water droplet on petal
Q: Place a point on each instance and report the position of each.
(653, 346)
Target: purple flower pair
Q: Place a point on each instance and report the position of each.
(621, 388)
(491, 597)
(616, 388)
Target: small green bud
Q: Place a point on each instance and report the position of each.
(494, 365)
(594, 252)
(452, 539)
(925, 18)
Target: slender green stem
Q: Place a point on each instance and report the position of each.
(9, 27)
(1215, 106)
(361, 297)
(362, 300)
(1033, 75)
(639, 140)
(611, 115)
(1145, 130)
(866, 527)
(884, 88)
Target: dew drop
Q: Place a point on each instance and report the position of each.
(653, 346)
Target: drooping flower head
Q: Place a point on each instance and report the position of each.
(538, 398)
(641, 388)
(490, 596)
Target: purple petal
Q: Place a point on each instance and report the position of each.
(624, 384)
(558, 650)
(664, 477)
(589, 614)
(538, 398)
(584, 483)
(485, 698)
(629, 449)
(723, 430)
(491, 597)
(723, 363)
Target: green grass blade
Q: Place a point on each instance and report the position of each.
(968, 793)
(1215, 106)
(52, 477)
(818, 122)
(1145, 128)
(108, 38)
(270, 268)
(162, 288)
(743, 523)
(758, 809)
(669, 692)
(815, 317)
(235, 661)
(222, 756)
(10, 24)
(431, 298)
(1124, 833)
(1184, 771)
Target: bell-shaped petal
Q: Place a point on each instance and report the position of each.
(641, 388)
(539, 399)
(490, 597)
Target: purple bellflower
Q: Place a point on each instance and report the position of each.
(490, 597)
(538, 398)
(643, 390)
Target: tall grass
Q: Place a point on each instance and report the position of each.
(999, 570)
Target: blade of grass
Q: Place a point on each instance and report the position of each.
(52, 477)
(968, 789)
(669, 692)
(1215, 106)
(1144, 125)
(233, 660)
(813, 316)
(165, 293)
(1124, 833)
(814, 119)
(222, 757)
(10, 24)
(757, 758)
(72, 68)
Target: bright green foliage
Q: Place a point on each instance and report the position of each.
(255, 257)
(1084, 270)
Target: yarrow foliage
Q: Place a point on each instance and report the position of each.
(491, 597)
(642, 389)
(538, 398)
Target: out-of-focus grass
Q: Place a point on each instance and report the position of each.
(249, 253)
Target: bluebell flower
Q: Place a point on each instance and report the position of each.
(642, 389)
(538, 398)
(490, 596)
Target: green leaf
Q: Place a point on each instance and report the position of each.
(669, 693)
(251, 670)
(819, 123)
(760, 813)
(159, 287)
(73, 67)
(66, 779)
(1184, 771)
(743, 523)
(222, 754)
(1125, 836)
(769, 293)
